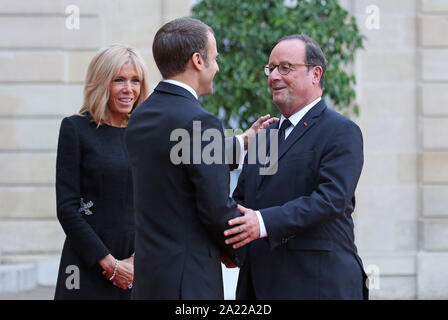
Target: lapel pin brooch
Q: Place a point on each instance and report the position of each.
(85, 207)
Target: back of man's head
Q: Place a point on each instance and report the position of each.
(176, 42)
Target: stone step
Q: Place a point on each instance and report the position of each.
(18, 277)
(46, 264)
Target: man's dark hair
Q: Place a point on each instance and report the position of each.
(314, 54)
(176, 42)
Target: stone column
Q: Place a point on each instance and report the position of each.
(432, 266)
(386, 216)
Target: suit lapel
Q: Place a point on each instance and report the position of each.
(303, 126)
(259, 177)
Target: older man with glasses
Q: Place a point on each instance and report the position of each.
(301, 239)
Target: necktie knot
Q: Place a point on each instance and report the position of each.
(285, 125)
(281, 133)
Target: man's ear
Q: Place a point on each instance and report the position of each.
(197, 61)
(317, 74)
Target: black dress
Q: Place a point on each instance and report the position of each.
(94, 207)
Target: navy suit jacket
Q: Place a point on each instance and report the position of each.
(306, 207)
(181, 210)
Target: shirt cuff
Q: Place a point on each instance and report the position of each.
(263, 232)
(241, 159)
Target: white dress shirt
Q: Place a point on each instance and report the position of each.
(295, 119)
(183, 85)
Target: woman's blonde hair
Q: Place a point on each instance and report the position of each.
(106, 65)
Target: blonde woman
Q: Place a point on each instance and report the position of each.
(94, 182)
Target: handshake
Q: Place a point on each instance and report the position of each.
(245, 229)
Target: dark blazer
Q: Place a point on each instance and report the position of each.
(92, 164)
(181, 210)
(306, 207)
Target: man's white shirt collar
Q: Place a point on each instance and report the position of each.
(183, 85)
(296, 117)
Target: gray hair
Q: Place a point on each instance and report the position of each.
(314, 54)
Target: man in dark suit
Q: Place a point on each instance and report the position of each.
(302, 234)
(182, 202)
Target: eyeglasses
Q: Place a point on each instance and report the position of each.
(283, 68)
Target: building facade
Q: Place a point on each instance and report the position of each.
(401, 218)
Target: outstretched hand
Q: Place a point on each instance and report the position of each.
(261, 123)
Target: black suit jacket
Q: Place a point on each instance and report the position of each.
(181, 211)
(306, 207)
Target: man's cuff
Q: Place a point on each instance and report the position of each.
(263, 232)
(241, 153)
